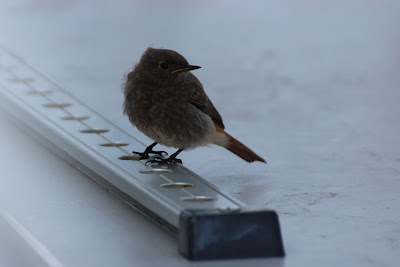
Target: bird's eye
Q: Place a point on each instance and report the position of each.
(164, 65)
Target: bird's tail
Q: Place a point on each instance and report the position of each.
(241, 150)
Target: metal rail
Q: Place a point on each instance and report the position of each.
(100, 148)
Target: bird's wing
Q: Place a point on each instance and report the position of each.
(198, 98)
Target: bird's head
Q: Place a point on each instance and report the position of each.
(163, 64)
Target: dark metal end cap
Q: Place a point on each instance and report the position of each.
(224, 234)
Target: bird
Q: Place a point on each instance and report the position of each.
(167, 103)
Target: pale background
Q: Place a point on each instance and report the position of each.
(312, 86)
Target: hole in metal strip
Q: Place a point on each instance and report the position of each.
(130, 157)
(75, 118)
(57, 105)
(94, 131)
(176, 185)
(115, 144)
(198, 199)
(40, 92)
(21, 80)
(156, 171)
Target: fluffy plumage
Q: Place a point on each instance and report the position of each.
(165, 101)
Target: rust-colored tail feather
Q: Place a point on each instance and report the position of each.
(241, 150)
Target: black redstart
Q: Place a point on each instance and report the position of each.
(166, 102)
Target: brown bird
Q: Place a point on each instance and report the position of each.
(166, 102)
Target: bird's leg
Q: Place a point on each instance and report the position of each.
(171, 160)
(149, 150)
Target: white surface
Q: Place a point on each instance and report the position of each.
(311, 86)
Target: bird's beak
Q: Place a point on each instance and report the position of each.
(187, 68)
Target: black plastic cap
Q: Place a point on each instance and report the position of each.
(221, 234)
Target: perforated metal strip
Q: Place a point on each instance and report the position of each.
(82, 134)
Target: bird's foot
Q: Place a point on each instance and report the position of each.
(145, 154)
(162, 161)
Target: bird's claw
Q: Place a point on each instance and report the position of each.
(145, 155)
(156, 159)
(163, 161)
(175, 161)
